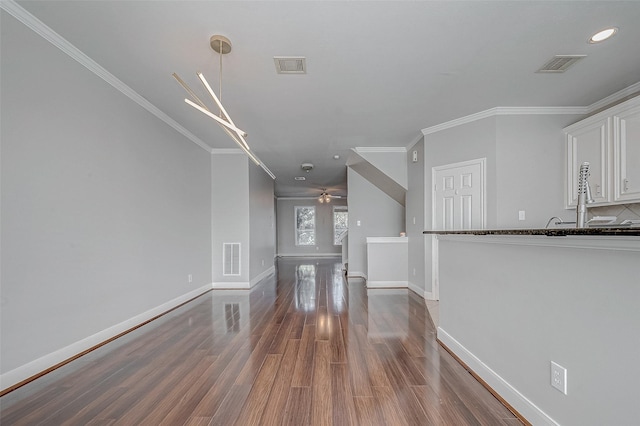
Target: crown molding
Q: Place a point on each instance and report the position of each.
(44, 31)
(363, 149)
(505, 111)
(414, 142)
(634, 89)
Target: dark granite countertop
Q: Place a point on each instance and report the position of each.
(551, 232)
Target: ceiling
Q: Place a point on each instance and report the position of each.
(378, 72)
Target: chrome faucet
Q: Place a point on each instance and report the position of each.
(584, 195)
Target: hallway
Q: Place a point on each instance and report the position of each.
(303, 347)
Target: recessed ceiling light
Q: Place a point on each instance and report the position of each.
(603, 35)
(300, 178)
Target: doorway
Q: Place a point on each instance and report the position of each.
(458, 203)
(459, 196)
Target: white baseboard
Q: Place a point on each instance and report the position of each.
(356, 274)
(510, 394)
(387, 284)
(262, 275)
(417, 290)
(231, 285)
(429, 296)
(309, 255)
(45, 362)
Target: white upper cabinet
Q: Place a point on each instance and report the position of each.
(610, 142)
(589, 142)
(626, 149)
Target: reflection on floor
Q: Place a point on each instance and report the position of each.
(303, 347)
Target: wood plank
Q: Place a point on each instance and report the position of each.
(231, 406)
(344, 411)
(368, 411)
(370, 365)
(304, 362)
(275, 408)
(321, 405)
(259, 394)
(296, 412)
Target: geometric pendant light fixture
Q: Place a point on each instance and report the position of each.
(222, 45)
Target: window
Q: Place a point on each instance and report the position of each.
(340, 222)
(305, 226)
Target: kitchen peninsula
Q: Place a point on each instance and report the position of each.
(513, 301)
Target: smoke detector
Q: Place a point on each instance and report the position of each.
(306, 167)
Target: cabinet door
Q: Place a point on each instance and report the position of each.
(589, 143)
(626, 144)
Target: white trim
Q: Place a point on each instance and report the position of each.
(231, 285)
(492, 112)
(387, 284)
(309, 254)
(61, 43)
(627, 91)
(416, 289)
(374, 149)
(45, 362)
(356, 274)
(519, 402)
(262, 275)
(385, 240)
(597, 242)
(413, 143)
(570, 110)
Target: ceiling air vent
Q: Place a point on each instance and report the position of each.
(560, 63)
(290, 64)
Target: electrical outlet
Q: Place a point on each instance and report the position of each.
(190, 278)
(521, 215)
(559, 377)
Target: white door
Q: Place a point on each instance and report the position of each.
(458, 203)
(458, 196)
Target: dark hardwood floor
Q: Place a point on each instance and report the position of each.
(302, 348)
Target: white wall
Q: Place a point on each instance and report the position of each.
(466, 142)
(392, 161)
(415, 210)
(105, 209)
(530, 158)
(521, 302)
(262, 232)
(230, 215)
(286, 225)
(379, 216)
(525, 165)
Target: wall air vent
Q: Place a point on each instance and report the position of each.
(230, 259)
(560, 63)
(290, 64)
